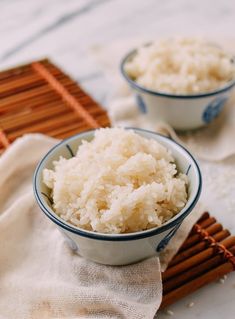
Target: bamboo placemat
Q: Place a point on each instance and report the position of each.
(39, 97)
(206, 255)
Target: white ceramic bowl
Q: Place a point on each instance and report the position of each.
(118, 249)
(182, 112)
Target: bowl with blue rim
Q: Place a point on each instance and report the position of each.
(126, 248)
(180, 111)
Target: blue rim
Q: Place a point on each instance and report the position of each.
(115, 237)
(138, 87)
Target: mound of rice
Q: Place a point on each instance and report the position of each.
(181, 66)
(119, 182)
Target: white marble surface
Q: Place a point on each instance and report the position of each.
(66, 30)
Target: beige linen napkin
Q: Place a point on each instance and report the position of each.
(40, 277)
(214, 142)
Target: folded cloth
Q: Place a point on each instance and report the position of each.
(214, 142)
(40, 277)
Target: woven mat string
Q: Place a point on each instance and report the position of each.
(227, 255)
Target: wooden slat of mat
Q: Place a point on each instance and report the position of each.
(30, 101)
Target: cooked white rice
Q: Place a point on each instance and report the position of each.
(181, 66)
(119, 182)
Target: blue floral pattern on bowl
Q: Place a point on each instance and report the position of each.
(70, 150)
(213, 109)
(141, 104)
(163, 243)
(71, 243)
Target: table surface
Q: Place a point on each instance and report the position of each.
(66, 30)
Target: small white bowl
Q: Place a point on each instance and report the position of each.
(118, 249)
(182, 112)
